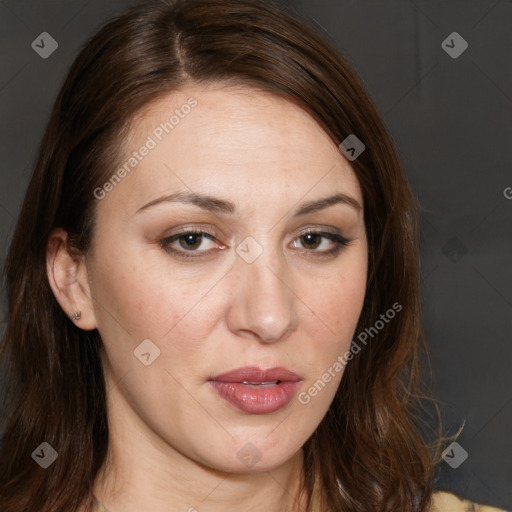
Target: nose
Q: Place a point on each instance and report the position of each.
(263, 303)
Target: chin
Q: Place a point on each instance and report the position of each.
(256, 455)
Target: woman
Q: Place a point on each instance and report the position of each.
(213, 283)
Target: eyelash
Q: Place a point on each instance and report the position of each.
(339, 240)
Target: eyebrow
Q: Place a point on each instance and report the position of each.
(217, 205)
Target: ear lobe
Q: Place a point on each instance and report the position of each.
(67, 276)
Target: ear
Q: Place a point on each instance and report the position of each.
(68, 280)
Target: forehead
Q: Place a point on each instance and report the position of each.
(224, 140)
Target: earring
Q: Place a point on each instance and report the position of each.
(76, 316)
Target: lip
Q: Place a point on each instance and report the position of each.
(249, 397)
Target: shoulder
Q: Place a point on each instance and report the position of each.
(447, 502)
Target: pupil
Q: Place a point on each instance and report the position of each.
(190, 238)
(310, 239)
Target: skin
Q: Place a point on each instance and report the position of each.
(173, 440)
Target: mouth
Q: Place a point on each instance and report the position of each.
(256, 391)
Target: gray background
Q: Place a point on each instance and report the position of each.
(451, 120)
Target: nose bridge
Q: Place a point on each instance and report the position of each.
(263, 303)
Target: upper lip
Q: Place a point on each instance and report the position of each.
(255, 374)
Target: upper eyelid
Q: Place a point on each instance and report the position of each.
(209, 231)
(201, 230)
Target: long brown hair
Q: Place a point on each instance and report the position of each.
(367, 454)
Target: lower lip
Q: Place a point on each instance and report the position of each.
(256, 401)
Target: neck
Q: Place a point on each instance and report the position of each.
(145, 486)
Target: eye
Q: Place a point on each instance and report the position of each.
(312, 240)
(189, 241)
(193, 243)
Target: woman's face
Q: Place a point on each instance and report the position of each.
(253, 292)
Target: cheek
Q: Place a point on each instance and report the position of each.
(337, 300)
(345, 308)
(335, 307)
(140, 292)
(144, 301)
(331, 329)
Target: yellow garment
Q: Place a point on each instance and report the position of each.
(446, 502)
(443, 502)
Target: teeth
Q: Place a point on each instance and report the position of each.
(264, 384)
